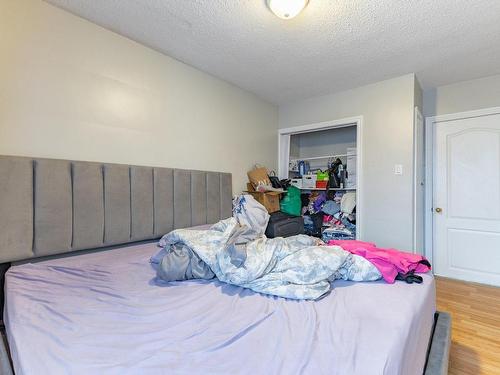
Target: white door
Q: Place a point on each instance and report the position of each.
(467, 199)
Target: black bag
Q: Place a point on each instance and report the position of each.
(285, 183)
(275, 181)
(284, 225)
(317, 220)
(333, 174)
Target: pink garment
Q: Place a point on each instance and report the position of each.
(389, 262)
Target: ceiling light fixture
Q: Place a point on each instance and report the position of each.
(286, 9)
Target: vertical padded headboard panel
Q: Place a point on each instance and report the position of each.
(116, 204)
(225, 188)
(57, 206)
(88, 205)
(16, 208)
(53, 207)
(213, 197)
(198, 198)
(182, 201)
(141, 195)
(163, 189)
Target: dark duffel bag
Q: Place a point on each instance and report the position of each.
(284, 225)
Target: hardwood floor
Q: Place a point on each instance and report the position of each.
(475, 311)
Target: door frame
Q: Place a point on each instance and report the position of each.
(283, 157)
(418, 120)
(430, 150)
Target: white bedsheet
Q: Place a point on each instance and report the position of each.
(103, 313)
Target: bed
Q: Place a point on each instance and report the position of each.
(78, 311)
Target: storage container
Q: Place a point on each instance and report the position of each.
(321, 184)
(309, 181)
(322, 175)
(297, 182)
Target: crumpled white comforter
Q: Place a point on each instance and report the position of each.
(238, 253)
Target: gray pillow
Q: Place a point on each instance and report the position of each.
(181, 263)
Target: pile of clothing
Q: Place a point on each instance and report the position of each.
(330, 215)
(392, 264)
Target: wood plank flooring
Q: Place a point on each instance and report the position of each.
(475, 311)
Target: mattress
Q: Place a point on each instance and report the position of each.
(105, 313)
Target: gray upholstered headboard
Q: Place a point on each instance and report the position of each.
(50, 206)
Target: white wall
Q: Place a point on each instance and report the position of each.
(326, 142)
(71, 89)
(387, 110)
(463, 96)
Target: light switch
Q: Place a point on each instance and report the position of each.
(398, 169)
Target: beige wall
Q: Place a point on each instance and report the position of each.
(463, 96)
(387, 110)
(71, 89)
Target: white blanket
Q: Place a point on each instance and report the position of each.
(298, 267)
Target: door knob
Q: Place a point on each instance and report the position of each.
(439, 210)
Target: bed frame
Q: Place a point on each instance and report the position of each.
(438, 352)
(51, 207)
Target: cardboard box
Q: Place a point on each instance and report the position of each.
(270, 200)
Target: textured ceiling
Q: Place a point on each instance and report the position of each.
(333, 45)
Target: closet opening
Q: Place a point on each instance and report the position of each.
(323, 160)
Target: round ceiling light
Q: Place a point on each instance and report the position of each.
(286, 9)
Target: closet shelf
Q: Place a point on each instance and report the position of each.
(324, 189)
(323, 157)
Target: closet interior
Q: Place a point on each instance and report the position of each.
(323, 165)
